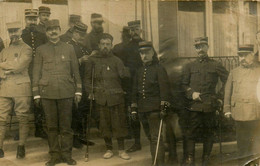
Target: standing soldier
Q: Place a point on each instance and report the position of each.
(79, 112)
(15, 88)
(93, 38)
(133, 61)
(34, 39)
(44, 15)
(108, 71)
(56, 81)
(151, 96)
(2, 46)
(241, 101)
(200, 78)
(73, 19)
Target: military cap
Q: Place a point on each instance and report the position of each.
(14, 25)
(107, 36)
(44, 9)
(73, 18)
(31, 12)
(52, 23)
(201, 40)
(134, 23)
(95, 17)
(80, 27)
(246, 48)
(144, 45)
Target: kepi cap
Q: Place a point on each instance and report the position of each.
(14, 25)
(80, 27)
(133, 24)
(107, 36)
(52, 23)
(246, 48)
(31, 12)
(201, 40)
(44, 9)
(95, 17)
(145, 45)
(73, 18)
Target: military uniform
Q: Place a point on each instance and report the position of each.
(41, 27)
(201, 76)
(56, 81)
(242, 102)
(2, 46)
(15, 88)
(150, 91)
(108, 95)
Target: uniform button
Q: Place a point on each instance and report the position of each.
(145, 69)
(144, 97)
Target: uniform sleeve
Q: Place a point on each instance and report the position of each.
(122, 70)
(223, 75)
(37, 70)
(75, 71)
(89, 66)
(20, 63)
(186, 81)
(87, 44)
(228, 93)
(164, 84)
(134, 90)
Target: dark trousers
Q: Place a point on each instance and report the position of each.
(38, 117)
(58, 115)
(248, 137)
(152, 119)
(199, 125)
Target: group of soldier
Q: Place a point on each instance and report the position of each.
(64, 78)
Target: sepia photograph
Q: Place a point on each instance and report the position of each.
(130, 82)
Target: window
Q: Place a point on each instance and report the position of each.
(57, 2)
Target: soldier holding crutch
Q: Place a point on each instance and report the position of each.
(151, 95)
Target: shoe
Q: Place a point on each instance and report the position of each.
(76, 143)
(134, 148)
(124, 155)
(108, 154)
(20, 152)
(70, 161)
(2, 154)
(53, 162)
(41, 134)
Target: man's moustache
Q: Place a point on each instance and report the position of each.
(53, 34)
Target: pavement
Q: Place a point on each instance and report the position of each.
(37, 154)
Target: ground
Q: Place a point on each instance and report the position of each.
(37, 154)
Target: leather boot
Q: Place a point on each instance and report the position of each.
(20, 152)
(2, 154)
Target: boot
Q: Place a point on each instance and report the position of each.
(70, 161)
(124, 155)
(20, 152)
(135, 147)
(2, 154)
(76, 142)
(53, 161)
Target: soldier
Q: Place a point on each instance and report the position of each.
(241, 101)
(2, 46)
(44, 15)
(56, 81)
(151, 96)
(199, 81)
(34, 39)
(133, 61)
(15, 88)
(73, 19)
(93, 38)
(79, 114)
(108, 94)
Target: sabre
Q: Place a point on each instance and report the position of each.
(158, 142)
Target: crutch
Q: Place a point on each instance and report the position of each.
(90, 111)
(158, 142)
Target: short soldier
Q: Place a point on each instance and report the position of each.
(15, 88)
(242, 103)
(151, 96)
(108, 94)
(73, 19)
(79, 113)
(34, 39)
(199, 81)
(92, 39)
(2, 46)
(56, 81)
(44, 15)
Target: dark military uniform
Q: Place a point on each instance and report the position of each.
(67, 36)
(41, 27)
(92, 39)
(56, 80)
(201, 76)
(2, 46)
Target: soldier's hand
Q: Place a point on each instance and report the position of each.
(93, 53)
(227, 114)
(83, 59)
(163, 114)
(134, 113)
(91, 96)
(37, 102)
(77, 99)
(196, 96)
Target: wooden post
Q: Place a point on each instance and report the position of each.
(209, 26)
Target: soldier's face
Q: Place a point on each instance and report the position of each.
(97, 26)
(31, 21)
(202, 49)
(14, 34)
(79, 37)
(44, 17)
(246, 58)
(147, 55)
(136, 32)
(53, 33)
(105, 46)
